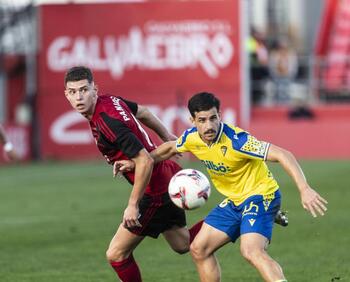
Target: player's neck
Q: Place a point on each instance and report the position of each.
(207, 142)
(89, 114)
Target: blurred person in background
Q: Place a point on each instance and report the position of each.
(8, 148)
(283, 68)
(235, 161)
(259, 59)
(115, 126)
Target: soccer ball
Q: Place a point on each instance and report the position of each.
(189, 189)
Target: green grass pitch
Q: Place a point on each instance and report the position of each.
(56, 220)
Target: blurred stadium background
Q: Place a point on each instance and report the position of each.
(60, 205)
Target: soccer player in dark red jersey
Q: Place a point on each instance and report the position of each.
(114, 123)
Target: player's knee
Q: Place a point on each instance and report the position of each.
(116, 255)
(198, 252)
(181, 247)
(252, 255)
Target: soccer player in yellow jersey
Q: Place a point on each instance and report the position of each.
(235, 161)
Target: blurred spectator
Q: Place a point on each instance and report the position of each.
(300, 109)
(283, 67)
(7, 145)
(259, 59)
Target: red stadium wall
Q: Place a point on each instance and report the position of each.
(327, 136)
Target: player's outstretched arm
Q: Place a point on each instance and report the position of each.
(143, 170)
(163, 152)
(310, 199)
(153, 122)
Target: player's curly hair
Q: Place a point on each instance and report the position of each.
(203, 101)
(78, 73)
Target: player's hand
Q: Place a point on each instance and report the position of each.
(122, 166)
(313, 202)
(11, 155)
(131, 217)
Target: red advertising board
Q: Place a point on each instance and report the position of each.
(333, 46)
(154, 53)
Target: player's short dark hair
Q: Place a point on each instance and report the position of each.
(203, 101)
(78, 73)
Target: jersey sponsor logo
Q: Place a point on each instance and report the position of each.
(252, 209)
(219, 167)
(119, 108)
(251, 221)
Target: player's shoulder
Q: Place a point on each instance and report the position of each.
(108, 99)
(114, 107)
(244, 142)
(236, 135)
(187, 136)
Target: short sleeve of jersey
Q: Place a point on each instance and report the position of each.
(132, 105)
(121, 135)
(250, 146)
(182, 141)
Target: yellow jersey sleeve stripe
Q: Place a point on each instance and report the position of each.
(180, 143)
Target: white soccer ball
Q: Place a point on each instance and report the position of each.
(189, 189)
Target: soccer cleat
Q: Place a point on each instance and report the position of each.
(281, 218)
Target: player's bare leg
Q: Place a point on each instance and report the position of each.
(122, 244)
(119, 254)
(207, 241)
(178, 238)
(253, 249)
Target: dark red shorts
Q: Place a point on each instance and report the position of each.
(158, 214)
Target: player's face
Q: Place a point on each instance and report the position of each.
(82, 96)
(207, 124)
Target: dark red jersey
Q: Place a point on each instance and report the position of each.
(119, 136)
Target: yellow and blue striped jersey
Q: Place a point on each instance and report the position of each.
(235, 162)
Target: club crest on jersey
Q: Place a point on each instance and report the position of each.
(223, 150)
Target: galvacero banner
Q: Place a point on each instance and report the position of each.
(154, 53)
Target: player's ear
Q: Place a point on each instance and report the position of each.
(191, 119)
(96, 87)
